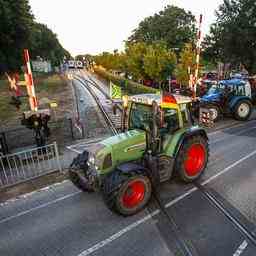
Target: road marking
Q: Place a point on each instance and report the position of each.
(228, 168)
(149, 216)
(118, 234)
(230, 127)
(74, 150)
(38, 207)
(241, 248)
(234, 134)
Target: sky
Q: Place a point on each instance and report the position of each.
(94, 26)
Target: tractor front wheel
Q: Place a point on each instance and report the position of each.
(192, 158)
(125, 194)
(243, 110)
(215, 113)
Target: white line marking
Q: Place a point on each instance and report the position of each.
(230, 127)
(228, 168)
(234, 134)
(241, 248)
(118, 234)
(176, 200)
(149, 216)
(74, 150)
(38, 207)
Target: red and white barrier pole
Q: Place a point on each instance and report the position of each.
(198, 51)
(30, 82)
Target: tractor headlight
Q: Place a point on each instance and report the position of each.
(91, 160)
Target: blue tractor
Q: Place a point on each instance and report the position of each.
(234, 96)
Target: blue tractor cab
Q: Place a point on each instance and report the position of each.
(232, 96)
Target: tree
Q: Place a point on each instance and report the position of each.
(173, 25)
(135, 53)
(45, 44)
(15, 32)
(232, 36)
(187, 61)
(18, 31)
(159, 62)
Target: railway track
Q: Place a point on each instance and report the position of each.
(181, 244)
(112, 121)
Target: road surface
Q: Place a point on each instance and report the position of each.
(60, 220)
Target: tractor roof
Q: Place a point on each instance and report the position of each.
(148, 98)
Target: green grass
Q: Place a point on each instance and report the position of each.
(5, 112)
(49, 85)
(44, 85)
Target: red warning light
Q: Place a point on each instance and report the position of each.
(168, 98)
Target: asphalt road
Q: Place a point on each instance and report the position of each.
(61, 220)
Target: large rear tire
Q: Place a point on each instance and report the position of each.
(243, 110)
(126, 194)
(192, 158)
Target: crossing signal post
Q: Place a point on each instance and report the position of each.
(35, 119)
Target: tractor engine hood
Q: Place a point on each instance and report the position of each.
(124, 147)
(211, 97)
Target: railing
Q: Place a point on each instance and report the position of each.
(28, 164)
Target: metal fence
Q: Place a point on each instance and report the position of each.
(28, 164)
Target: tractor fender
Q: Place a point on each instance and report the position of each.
(235, 100)
(131, 167)
(152, 171)
(187, 134)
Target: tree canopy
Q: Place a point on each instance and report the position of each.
(18, 30)
(187, 61)
(44, 43)
(232, 37)
(143, 61)
(173, 25)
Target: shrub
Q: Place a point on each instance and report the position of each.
(128, 86)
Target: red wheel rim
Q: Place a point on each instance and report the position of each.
(134, 194)
(195, 160)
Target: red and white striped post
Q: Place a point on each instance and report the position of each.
(198, 51)
(30, 82)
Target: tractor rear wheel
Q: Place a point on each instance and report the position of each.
(126, 194)
(243, 110)
(192, 158)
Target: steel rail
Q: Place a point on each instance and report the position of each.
(97, 100)
(234, 220)
(97, 86)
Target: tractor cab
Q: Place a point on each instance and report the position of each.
(229, 88)
(160, 116)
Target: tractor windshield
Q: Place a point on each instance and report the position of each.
(140, 116)
(216, 89)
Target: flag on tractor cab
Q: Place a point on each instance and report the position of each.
(115, 91)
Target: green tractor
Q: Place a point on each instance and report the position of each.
(158, 141)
